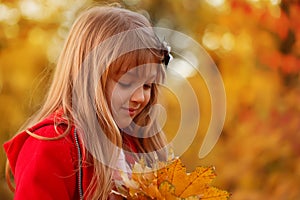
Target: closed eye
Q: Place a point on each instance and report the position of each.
(147, 86)
(124, 85)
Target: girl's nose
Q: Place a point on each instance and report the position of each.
(138, 95)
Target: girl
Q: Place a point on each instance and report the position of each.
(99, 113)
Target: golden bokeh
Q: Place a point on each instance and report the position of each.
(256, 46)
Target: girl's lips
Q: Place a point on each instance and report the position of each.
(132, 111)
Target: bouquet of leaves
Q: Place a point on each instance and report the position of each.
(169, 181)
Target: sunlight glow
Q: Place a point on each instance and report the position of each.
(9, 16)
(191, 58)
(179, 42)
(228, 41)
(31, 9)
(275, 2)
(216, 3)
(211, 40)
(182, 67)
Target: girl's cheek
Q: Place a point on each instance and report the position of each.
(124, 97)
(147, 97)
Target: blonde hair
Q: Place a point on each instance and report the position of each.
(101, 40)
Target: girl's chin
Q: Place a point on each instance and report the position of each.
(124, 120)
(124, 123)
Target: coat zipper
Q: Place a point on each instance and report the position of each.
(79, 166)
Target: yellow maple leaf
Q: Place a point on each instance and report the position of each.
(172, 182)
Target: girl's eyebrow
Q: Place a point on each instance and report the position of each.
(136, 75)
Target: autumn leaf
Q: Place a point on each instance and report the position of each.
(172, 182)
(167, 190)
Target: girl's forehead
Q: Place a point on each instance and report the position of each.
(138, 63)
(145, 71)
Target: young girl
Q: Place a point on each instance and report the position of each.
(98, 116)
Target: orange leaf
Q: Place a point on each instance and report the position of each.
(172, 182)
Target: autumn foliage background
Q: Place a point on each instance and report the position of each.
(256, 46)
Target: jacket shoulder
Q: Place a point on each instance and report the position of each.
(43, 165)
(29, 140)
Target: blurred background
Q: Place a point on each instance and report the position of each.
(256, 46)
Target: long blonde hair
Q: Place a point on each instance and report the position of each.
(99, 42)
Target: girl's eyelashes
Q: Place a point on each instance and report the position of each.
(124, 85)
(147, 86)
(128, 85)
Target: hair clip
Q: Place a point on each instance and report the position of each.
(167, 55)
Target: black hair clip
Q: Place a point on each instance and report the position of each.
(167, 55)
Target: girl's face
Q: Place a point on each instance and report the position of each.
(129, 93)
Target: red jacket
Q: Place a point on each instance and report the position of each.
(46, 169)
